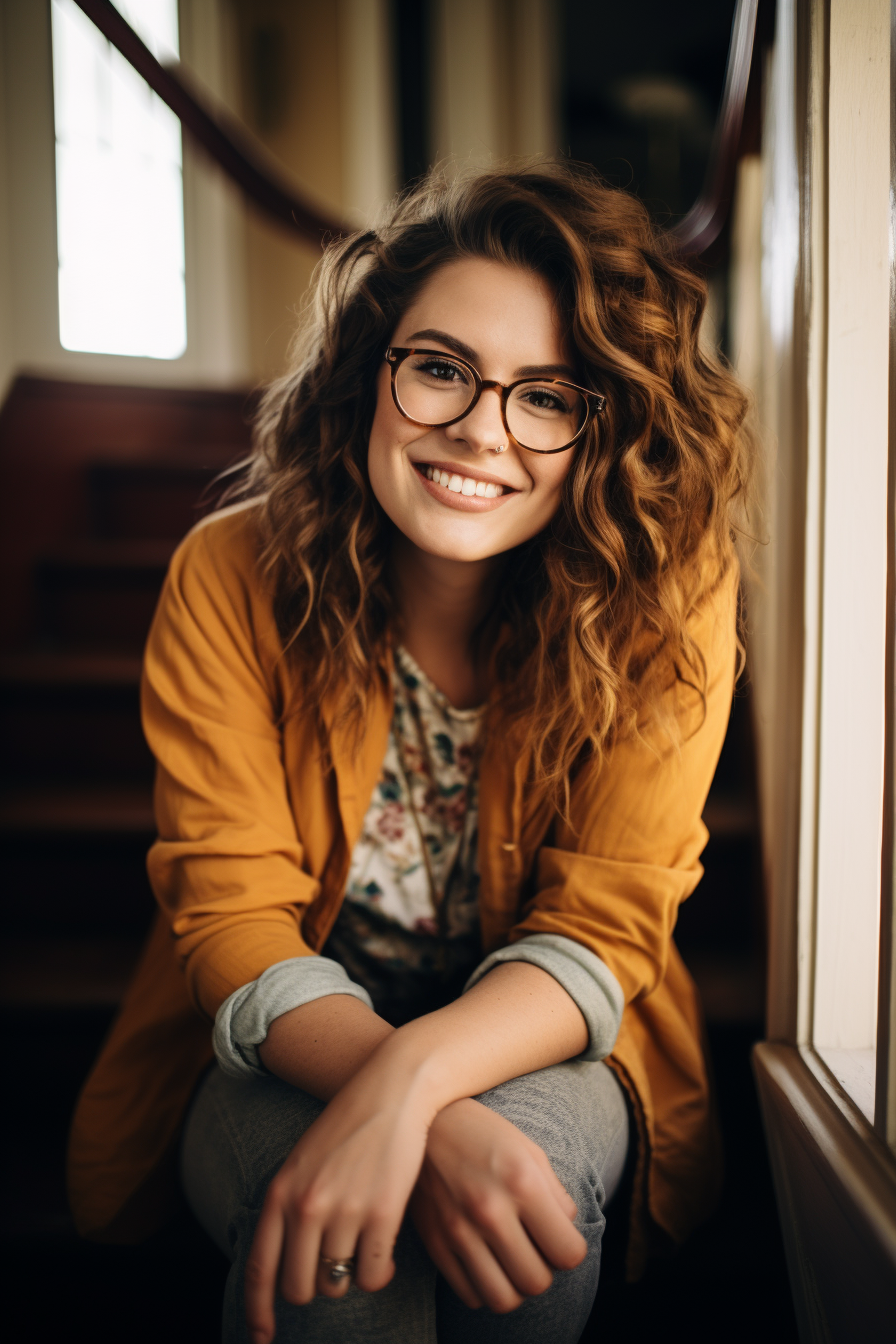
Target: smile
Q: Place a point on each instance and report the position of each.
(461, 485)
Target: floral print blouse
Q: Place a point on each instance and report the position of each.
(408, 930)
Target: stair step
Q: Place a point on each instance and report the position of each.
(51, 668)
(67, 716)
(102, 592)
(730, 816)
(155, 498)
(123, 811)
(74, 860)
(41, 973)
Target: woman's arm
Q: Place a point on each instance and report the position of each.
(344, 1189)
(514, 1021)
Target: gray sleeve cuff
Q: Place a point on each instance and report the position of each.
(243, 1020)
(589, 983)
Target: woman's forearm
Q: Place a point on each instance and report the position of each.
(515, 1020)
(321, 1045)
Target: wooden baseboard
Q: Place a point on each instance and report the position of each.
(835, 1183)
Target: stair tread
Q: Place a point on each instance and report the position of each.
(66, 973)
(123, 809)
(186, 461)
(116, 553)
(51, 667)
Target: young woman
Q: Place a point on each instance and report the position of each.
(436, 709)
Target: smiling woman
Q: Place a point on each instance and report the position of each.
(436, 708)
(502, 317)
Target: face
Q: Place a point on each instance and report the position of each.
(502, 320)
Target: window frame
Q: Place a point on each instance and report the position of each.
(834, 1170)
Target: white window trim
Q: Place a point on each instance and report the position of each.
(835, 1173)
(217, 349)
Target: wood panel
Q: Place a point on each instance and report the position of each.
(50, 430)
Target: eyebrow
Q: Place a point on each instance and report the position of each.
(468, 353)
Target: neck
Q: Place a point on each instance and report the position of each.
(441, 602)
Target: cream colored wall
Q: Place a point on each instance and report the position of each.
(336, 136)
(7, 353)
(494, 80)
(307, 141)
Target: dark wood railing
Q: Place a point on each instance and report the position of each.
(705, 220)
(233, 149)
(222, 137)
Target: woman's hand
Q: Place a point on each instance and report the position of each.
(344, 1188)
(493, 1216)
(341, 1193)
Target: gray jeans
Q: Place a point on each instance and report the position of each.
(239, 1132)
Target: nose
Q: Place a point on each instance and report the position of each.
(482, 430)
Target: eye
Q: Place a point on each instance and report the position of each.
(441, 370)
(544, 399)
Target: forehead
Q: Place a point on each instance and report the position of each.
(495, 309)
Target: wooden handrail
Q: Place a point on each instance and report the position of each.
(220, 136)
(225, 141)
(704, 221)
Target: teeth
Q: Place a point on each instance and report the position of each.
(462, 485)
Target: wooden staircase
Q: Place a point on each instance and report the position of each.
(96, 487)
(76, 776)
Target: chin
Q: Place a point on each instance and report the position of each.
(465, 550)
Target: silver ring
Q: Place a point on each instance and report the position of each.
(339, 1269)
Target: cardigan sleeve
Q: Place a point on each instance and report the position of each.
(227, 868)
(618, 868)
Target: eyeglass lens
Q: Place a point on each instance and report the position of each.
(540, 415)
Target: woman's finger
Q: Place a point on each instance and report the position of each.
(558, 1189)
(487, 1276)
(261, 1274)
(334, 1254)
(451, 1269)
(299, 1259)
(374, 1265)
(521, 1261)
(551, 1229)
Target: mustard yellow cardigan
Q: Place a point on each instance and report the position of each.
(255, 837)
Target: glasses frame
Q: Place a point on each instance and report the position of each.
(397, 354)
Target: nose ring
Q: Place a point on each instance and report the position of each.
(501, 448)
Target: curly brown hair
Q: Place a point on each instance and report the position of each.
(644, 529)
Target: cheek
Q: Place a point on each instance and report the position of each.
(548, 476)
(389, 434)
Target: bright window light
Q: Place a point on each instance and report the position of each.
(119, 189)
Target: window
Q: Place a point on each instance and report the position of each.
(119, 189)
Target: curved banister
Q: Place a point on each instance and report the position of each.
(224, 140)
(705, 220)
(220, 136)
